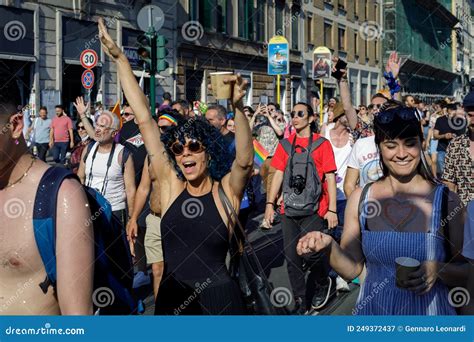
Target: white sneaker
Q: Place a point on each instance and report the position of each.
(342, 285)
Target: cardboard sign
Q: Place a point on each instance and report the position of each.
(322, 63)
(278, 56)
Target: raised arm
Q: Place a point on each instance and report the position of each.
(139, 104)
(234, 182)
(81, 110)
(393, 66)
(343, 84)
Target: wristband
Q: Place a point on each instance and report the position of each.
(332, 211)
(269, 203)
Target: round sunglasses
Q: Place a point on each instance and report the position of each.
(194, 146)
(300, 114)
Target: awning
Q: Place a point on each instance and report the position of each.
(436, 8)
(413, 68)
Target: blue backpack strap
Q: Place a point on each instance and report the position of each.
(44, 220)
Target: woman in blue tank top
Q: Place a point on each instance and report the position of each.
(399, 215)
(191, 161)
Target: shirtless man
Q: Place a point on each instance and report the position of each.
(149, 182)
(21, 267)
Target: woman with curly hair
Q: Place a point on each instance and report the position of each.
(403, 214)
(191, 163)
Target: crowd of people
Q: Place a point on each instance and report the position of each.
(388, 179)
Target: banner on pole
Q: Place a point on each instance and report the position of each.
(322, 63)
(278, 56)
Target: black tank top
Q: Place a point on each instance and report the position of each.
(195, 239)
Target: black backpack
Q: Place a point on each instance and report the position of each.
(302, 186)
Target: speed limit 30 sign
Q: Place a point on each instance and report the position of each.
(89, 59)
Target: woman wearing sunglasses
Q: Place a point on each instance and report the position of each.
(191, 162)
(79, 147)
(400, 216)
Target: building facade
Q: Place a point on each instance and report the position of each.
(203, 36)
(422, 33)
(463, 43)
(41, 42)
(353, 31)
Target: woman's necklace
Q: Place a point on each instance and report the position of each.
(12, 184)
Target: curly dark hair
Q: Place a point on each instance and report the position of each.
(198, 128)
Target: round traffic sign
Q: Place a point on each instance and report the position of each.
(87, 79)
(150, 15)
(89, 59)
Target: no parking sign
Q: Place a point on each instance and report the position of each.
(87, 79)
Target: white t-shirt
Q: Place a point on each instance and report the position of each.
(114, 185)
(341, 155)
(468, 248)
(365, 158)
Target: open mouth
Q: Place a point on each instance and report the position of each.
(189, 167)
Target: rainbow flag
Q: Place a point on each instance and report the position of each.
(260, 153)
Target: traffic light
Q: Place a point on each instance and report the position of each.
(147, 51)
(162, 52)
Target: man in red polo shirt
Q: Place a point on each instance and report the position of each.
(309, 185)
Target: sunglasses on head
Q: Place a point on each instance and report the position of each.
(386, 116)
(194, 146)
(300, 113)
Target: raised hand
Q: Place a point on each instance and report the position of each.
(81, 107)
(393, 64)
(238, 89)
(108, 44)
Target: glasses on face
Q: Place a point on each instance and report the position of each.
(126, 114)
(194, 146)
(376, 106)
(80, 128)
(300, 113)
(362, 108)
(407, 114)
(164, 129)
